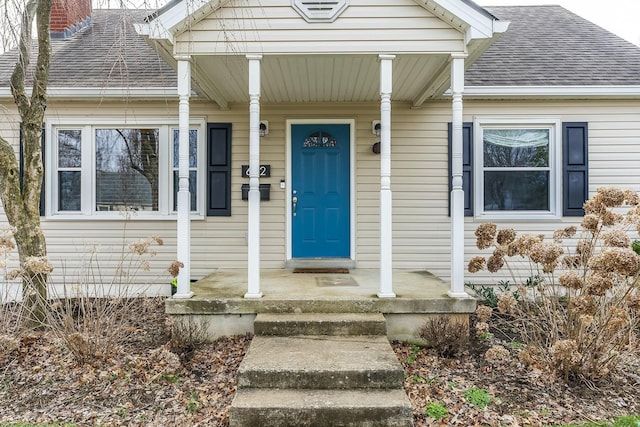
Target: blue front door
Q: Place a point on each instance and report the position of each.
(320, 199)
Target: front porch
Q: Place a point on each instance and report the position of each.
(288, 55)
(219, 299)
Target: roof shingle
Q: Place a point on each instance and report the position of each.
(108, 53)
(550, 46)
(544, 46)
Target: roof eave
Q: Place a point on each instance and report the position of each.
(90, 93)
(177, 18)
(473, 20)
(554, 92)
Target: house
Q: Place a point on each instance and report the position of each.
(355, 134)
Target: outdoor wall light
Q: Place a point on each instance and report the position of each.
(375, 127)
(376, 148)
(264, 128)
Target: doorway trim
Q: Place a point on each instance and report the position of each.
(352, 184)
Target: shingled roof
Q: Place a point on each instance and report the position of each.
(107, 54)
(550, 46)
(544, 46)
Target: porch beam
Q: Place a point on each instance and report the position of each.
(184, 198)
(253, 262)
(208, 88)
(435, 87)
(457, 192)
(386, 242)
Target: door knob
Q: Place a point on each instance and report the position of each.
(294, 202)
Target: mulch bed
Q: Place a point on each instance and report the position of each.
(144, 383)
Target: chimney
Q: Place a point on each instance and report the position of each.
(68, 17)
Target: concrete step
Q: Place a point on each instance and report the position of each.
(320, 408)
(320, 362)
(288, 324)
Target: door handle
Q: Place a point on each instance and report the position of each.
(294, 202)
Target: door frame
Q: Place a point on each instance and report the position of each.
(352, 185)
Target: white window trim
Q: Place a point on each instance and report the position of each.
(88, 126)
(555, 166)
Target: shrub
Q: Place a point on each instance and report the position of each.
(447, 337)
(187, 335)
(579, 309)
(488, 295)
(90, 315)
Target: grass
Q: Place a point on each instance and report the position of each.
(624, 421)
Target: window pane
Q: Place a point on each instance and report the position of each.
(516, 147)
(516, 191)
(193, 148)
(69, 190)
(127, 169)
(69, 148)
(193, 192)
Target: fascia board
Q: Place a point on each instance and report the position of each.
(481, 25)
(601, 91)
(175, 19)
(472, 33)
(102, 93)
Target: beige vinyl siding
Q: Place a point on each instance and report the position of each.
(421, 229)
(273, 27)
(614, 149)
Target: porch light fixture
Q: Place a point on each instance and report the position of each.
(376, 148)
(264, 128)
(375, 127)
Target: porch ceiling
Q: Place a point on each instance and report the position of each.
(316, 78)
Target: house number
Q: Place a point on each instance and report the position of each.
(265, 171)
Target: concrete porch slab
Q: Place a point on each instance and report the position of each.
(419, 295)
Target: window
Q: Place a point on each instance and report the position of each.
(517, 169)
(193, 168)
(571, 175)
(69, 169)
(127, 169)
(101, 169)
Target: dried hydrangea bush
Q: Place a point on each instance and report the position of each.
(580, 318)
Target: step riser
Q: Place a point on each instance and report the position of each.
(293, 328)
(337, 324)
(322, 417)
(322, 380)
(311, 369)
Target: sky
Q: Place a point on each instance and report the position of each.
(621, 17)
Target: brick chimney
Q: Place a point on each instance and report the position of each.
(68, 17)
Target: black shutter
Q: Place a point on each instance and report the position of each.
(575, 167)
(467, 166)
(219, 169)
(21, 160)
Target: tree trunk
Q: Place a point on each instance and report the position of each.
(21, 195)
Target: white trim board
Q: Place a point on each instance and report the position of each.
(618, 91)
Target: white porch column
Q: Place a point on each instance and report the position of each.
(457, 192)
(386, 225)
(253, 288)
(184, 198)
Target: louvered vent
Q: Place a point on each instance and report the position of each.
(319, 10)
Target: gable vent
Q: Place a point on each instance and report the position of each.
(319, 10)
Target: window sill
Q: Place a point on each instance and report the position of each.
(119, 217)
(518, 217)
